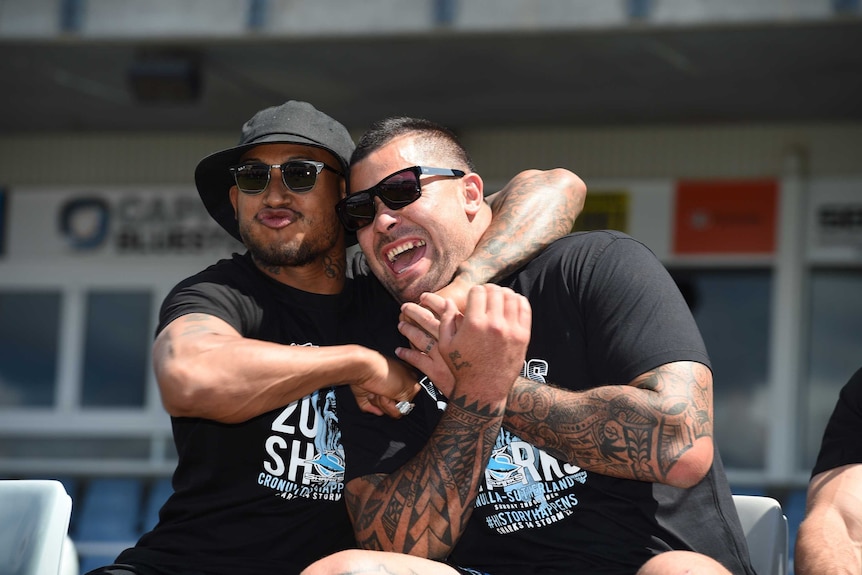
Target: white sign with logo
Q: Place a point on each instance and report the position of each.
(835, 221)
(93, 222)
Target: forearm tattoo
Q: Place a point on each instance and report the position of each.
(618, 430)
(423, 507)
(519, 231)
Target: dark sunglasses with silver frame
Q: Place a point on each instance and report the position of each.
(396, 190)
(298, 175)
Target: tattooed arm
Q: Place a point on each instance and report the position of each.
(205, 368)
(422, 508)
(658, 428)
(535, 208)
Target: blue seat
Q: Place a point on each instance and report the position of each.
(160, 490)
(110, 510)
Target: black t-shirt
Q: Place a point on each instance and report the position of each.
(841, 443)
(604, 311)
(266, 495)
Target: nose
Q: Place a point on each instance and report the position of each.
(385, 218)
(276, 184)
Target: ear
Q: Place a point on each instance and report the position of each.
(474, 195)
(233, 193)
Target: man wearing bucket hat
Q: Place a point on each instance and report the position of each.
(248, 352)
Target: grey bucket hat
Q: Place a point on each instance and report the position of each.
(293, 122)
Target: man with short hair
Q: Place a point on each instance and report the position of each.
(599, 460)
(248, 352)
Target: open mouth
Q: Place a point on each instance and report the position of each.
(404, 255)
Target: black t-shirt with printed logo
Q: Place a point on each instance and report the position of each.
(266, 495)
(604, 312)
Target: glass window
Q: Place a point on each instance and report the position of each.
(29, 336)
(116, 349)
(834, 350)
(731, 308)
(116, 448)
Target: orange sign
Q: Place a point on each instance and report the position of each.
(725, 217)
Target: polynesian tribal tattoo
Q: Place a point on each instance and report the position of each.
(618, 430)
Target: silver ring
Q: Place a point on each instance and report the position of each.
(405, 407)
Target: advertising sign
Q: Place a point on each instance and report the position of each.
(835, 220)
(604, 211)
(725, 217)
(45, 223)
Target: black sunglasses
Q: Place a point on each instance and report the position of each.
(395, 190)
(298, 175)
